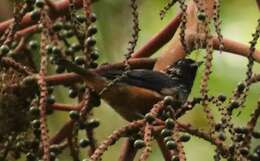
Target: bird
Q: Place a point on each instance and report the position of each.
(137, 90)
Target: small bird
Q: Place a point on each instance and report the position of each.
(137, 90)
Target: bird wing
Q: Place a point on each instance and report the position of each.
(144, 78)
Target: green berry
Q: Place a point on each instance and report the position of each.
(55, 149)
(91, 41)
(19, 145)
(93, 123)
(222, 136)
(48, 48)
(67, 25)
(241, 87)
(222, 98)
(81, 125)
(69, 34)
(76, 47)
(138, 144)
(57, 26)
(39, 3)
(30, 157)
(256, 135)
(166, 132)
(69, 51)
(169, 123)
(94, 55)
(171, 144)
(241, 130)
(168, 100)
(92, 30)
(73, 93)
(74, 115)
(166, 139)
(34, 110)
(50, 89)
(79, 60)
(4, 49)
(244, 151)
(84, 143)
(175, 158)
(36, 124)
(36, 14)
(201, 16)
(234, 104)
(33, 44)
(11, 53)
(81, 18)
(185, 138)
(52, 156)
(149, 118)
(93, 17)
(50, 99)
(56, 50)
(95, 99)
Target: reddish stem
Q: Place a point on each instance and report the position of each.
(236, 48)
(127, 152)
(68, 78)
(166, 153)
(65, 107)
(158, 40)
(63, 133)
(59, 8)
(26, 31)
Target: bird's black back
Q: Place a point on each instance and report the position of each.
(181, 76)
(143, 78)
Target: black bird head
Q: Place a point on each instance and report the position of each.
(184, 70)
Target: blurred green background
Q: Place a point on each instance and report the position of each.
(239, 19)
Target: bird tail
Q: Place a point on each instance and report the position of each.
(92, 79)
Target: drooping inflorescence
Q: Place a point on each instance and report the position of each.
(50, 45)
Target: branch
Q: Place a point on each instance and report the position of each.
(158, 40)
(201, 134)
(115, 136)
(67, 78)
(236, 47)
(175, 50)
(8, 62)
(58, 9)
(254, 79)
(63, 133)
(26, 31)
(65, 107)
(166, 153)
(127, 152)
